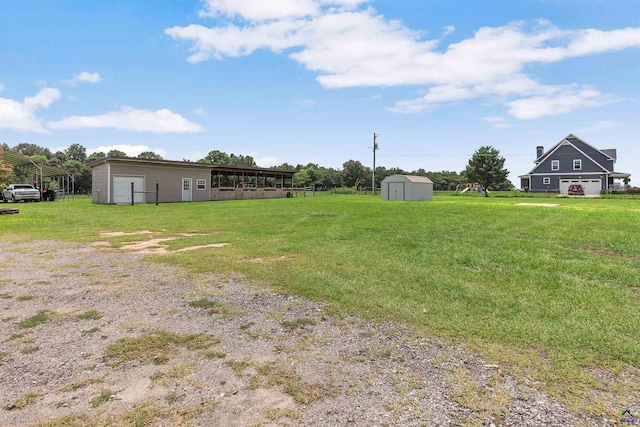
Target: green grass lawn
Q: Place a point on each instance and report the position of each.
(551, 293)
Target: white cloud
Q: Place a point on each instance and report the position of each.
(349, 44)
(259, 10)
(129, 150)
(20, 116)
(131, 119)
(266, 162)
(200, 111)
(306, 103)
(497, 122)
(437, 95)
(84, 77)
(600, 125)
(265, 10)
(561, 101)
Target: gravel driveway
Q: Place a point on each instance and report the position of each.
(91, 336)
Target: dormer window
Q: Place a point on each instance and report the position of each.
(577, 164)
(555, 165)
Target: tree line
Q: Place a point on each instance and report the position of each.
(484, 168)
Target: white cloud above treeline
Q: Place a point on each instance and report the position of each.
(349, 44)
(161, 121)
(21, 117)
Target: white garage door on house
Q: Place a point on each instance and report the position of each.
(122, 189)
(591, 187)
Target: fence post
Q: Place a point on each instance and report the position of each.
(157, 188)
(132, 194)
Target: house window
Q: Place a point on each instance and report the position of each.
(201, 184)
(546, 180)
(555, 165)
(577, 164)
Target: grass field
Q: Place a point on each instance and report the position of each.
(552, 294)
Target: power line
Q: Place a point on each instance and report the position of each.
(503, 155)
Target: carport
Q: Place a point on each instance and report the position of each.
(40, 173)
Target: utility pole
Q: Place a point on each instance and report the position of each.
(373, 172)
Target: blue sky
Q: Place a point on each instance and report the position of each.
(310, 81)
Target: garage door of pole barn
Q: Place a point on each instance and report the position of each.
(122, 189)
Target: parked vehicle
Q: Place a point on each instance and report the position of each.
(18, 192)
(48, 195)
(576, 190)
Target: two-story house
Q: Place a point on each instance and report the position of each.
(572, 161)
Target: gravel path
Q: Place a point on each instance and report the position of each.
(263, 358)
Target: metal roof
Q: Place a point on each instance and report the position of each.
(212, 166)
(30, 165)
(410, 178)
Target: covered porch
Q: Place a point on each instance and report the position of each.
(230, 182)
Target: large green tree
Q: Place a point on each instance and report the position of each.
(76, 152)
(27, 149)
(486, 167)
(352, 171)
(222, 158)
(116, 153)
(216, 157)
(150, 155)
(95, 156)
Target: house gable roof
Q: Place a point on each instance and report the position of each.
(579, 145)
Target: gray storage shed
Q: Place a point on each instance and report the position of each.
(407, 187)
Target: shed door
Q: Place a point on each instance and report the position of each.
(396, 191)
(186, 189)
(122, 189)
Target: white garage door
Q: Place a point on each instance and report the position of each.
(122, 189)
(591, 187)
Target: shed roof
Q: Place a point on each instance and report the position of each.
(408, 178)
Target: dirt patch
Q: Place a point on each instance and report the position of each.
(546, 205)
(105, 233)
(150, 246)
(214, 351)
(605, 252)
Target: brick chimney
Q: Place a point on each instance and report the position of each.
(539, 151)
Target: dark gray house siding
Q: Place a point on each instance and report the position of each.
(572, 161)
(565, 156)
